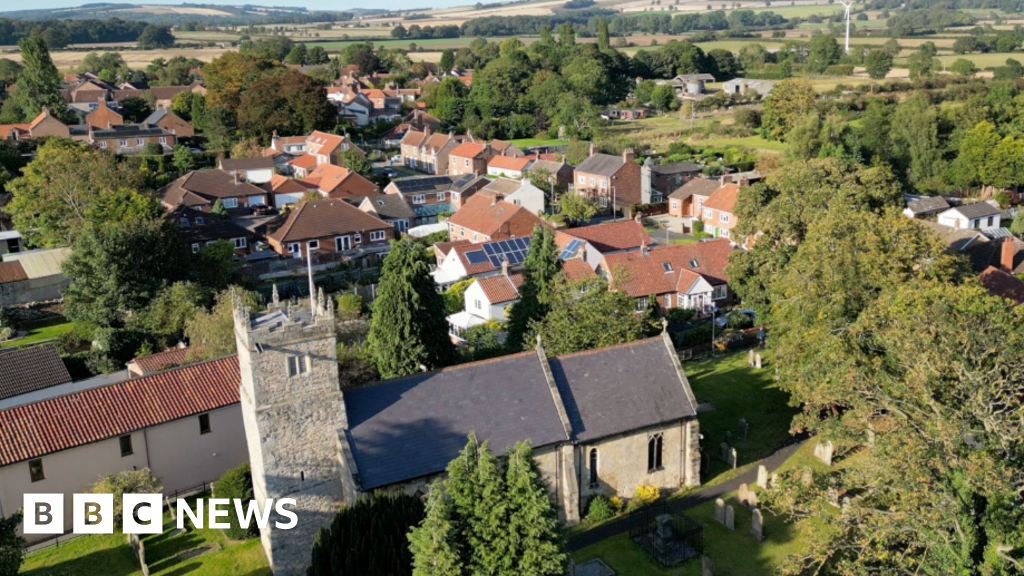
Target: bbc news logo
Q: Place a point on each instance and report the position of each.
(143, 513)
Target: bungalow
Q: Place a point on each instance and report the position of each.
(389, 208)
(690, 276)
(486, 300)
(925, 206)
(470, 158)
(284, 191)
(509, 166)
(977, 216)
(330, 227)
(257, 170)
(45, 124)
(519, 192)
(337, 182)
(482, 218)
(200, 189)
(200, 229)
(740, 86)
(612, 181)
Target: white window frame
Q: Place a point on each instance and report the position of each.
(195, 248)
(723, 217)
(342, 243)
(139, 141)
(419, 199)
(357, 238)
(467, 162)
(313, 245)
(593, 181)
(719, 292)
(124, 143)
(668, 301)
(477, 304)
(163, 140)
(240, 243)
(230, 202)
(675, 205)
(440, 196)
(602, 201)
(293, 247)
(103, 143)
(642, 303)
(707, 213)
(379, 235)
(583, 179)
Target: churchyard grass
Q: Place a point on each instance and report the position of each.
(40, 331)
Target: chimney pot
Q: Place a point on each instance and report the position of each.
(1006, 257)
(504, 267)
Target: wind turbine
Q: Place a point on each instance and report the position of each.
(846, 15)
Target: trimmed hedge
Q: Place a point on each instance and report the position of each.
(237, 483)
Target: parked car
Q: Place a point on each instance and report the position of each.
(723, 321)
(260, 209)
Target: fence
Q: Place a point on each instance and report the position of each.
(670, 538)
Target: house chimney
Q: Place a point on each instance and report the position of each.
(1006, 257)
(628, 155)
(644, 249)
(743, 181)
(426, 132)
(504, 267)
(109, 125)
(725, 179)
(593, 149)
(237, 180)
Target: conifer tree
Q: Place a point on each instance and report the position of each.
(532, 525)
(434, 544)
(602, 34)
(540, 269)
(406, 330)
(39, 83)
(488, 535)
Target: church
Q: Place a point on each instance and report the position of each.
(601, 421)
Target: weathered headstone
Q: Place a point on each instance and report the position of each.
(757, 525)
(823, 452)
(774, 480)
(706, 567)
(723, 450)
(807, 477)
(757, 361)
(728, 437)
(750, 358)
(720, 510)
(762, 476)
(833, 496)
(871, 437)
(730, 518)
(733, 459)
(751, 499)
(742, 494)
(744, 428)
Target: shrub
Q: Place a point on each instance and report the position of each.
(694, 336)
(616, 503)
(643, 496)
(154, 149)
(126, 482)
(698, 227)
(599, 508)
(739, 320)
(237, 483)
(679, 315)
(349, 305)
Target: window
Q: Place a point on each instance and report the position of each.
(357, 238)
(419, 199)
(693, 263)
(517, 202)
(195, 248)
(675, 205)
(240, 243)
(592, 181)
(204, 423)
(707, 213)
(293, 248)
(298, 365)
(641, 304)
(200, 221)
(723, 232)
(183, 222)
(467, 162)
(719, 292)
(163, 140)
(313, 245)
(594, 480)
(583, 179)
(139, 142)
(455, 196)
(654, 450)
(668, 301)
(475, 238)
(35, 470)
(477, 305)
(604, 183)
(103, 143)
(991, 220)
(440, 196)
(462, 231)
(342, 243)
(666, 266)
(723, 217)
(126, 445)
(124, 143)
(230, 202)
(379, 235)
(602, 202)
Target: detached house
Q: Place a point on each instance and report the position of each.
(337, 182)
(977, 216)
(688, 200)
(103, 116)
(389, 208)
(612, 181)
(42, 125)
(690, 276)
(486, 300)
(200, 229)
(482, 218)
(660, 180)
(428, 151)
(200, 189)
(509, 166)
(164, 118)
(718, 211)
(329, 227)
(519, 192)
(430, 196)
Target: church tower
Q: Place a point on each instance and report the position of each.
(292, 409)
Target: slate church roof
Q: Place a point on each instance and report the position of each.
(411, 427)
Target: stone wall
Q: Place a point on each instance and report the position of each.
(622, 462)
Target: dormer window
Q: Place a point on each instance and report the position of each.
(693, 263)
(184, 222)
(666, 266)
(200, 221)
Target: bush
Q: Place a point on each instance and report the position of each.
(694, 336)
(698, 227)
(126, 482)
(349, 305)
(599, 508)
(679, 315)
(739, 320)
(839, 70)
(154, 149)
(237, 483)
(643, 496)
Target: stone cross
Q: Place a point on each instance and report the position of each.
(750, 357)
(757, 525)
(823, 452)
(733, 460)
(762, 476)
(743, 494)
(706, 567)
(757, 361)
(744, 428)
(724, 451)
(730, 518)
(720, 510)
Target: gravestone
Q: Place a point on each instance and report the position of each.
(706, 567)
(723, 450)
(664, 529)
(743, 494)
(871, 437)
(744, 427)
(751, 499)
(762, 476)
(757, 361)
(807, 477)
(733, 459)
(730, 518)
(720, 510)
(728, 437)
(750, 358)
(757, 525)
(823, 452)
(774, 480)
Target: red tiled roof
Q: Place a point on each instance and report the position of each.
(338, 182)
(501, 288)
(1001, 283)
(639, 274)
(76, 419)
(576, 270)
(305, 161)
(723, 199)
(468, 150)
(282, 184)
(445, 247)
(161, 360)
(322, 218)
(12, 272)
(480, 215)
(509, 162)
(613, 236)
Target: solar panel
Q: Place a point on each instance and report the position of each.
(570, 249)
(489, 248)
(476, 257)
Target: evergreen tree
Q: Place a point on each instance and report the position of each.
(406, 331)
(602, 34)
(545, 36)
(447, 60)
(488, 520)
(566, 35)
(434, 544)
(532, 523)
(539, 271)
(39, 83)
(11, 544)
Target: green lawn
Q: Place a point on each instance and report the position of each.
(110, 555)
(754, 142)
(527, 142)
(43, 331)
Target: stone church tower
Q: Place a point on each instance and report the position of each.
(292, 410)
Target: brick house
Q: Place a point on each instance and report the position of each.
(592, 243)
(103, 117)
(430, 196)
(690, 276)
(508, 166)
(609, 180)
(329, 227)
(688, 200)
(389, 208)
(660, 180)
(284, 190)
(718, 211)
(131, 138)
(470, 158)
(482, 218)
(42, 125)
(164, 118)
(337, 182)
(200, 189)
(561, 171)
(199, 229)
(427, 151)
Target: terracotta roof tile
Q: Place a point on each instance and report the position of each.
(468, 150)
(613, 236)
(501, 288)
(73, 420)
(510, 162)
(576, 270)
(501, 218)
(317, 219)
(306, 161)
(12, 272)
(640, 274)
(724, 198)
(161, 360)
